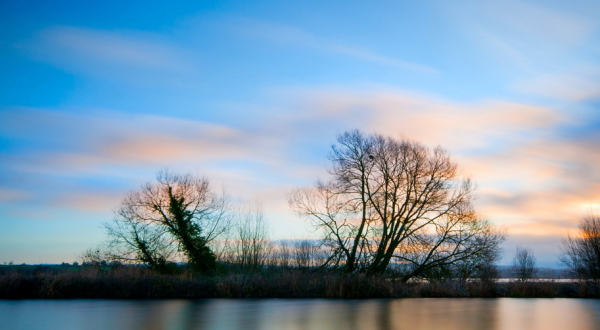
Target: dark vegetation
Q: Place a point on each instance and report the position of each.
(395, 220)
(132, 282)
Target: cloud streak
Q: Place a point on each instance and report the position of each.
(531, 178)
(576, 85)
(285, 34)
(119, 54)
(530, 36)
(110, 138)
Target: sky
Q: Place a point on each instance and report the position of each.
(97, 97)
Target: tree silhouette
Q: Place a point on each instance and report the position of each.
(524, 264)
(178, 215)
(395, 202)
(581, 252)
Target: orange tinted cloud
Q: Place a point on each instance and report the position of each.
(426, 119)
(89, 201)
(529, 178)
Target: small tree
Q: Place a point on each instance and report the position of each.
(253, 246)
(282, 254)
(581, 252)
(523, 267)
(306, 253)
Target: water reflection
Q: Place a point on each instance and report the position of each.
(436, 314)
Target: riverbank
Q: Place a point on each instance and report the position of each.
(139, 283)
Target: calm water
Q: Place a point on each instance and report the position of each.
(439, 314)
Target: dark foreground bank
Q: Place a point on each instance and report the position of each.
(139, 283)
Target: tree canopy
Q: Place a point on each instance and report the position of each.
(396, 204)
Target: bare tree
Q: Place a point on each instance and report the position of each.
(253, 245)
(394, 202)
(282, 254)
(176, 215)
(305, 253)
(581, 252)
(523, 267)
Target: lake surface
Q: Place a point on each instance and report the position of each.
(438, 314)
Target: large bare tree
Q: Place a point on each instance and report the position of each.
(178, 215)
(582, 251)
(394, 202)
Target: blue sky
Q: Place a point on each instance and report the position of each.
(96, 98)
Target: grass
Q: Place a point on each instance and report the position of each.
(141, 283)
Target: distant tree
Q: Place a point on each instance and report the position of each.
(176, 215)
(523, 267)
(581, 252)
(281, 254)
(395, 202)
(253, 247)
(93, 257)
(305, 253)
(483, 267)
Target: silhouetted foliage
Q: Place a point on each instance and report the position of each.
(174, 218)
(395, 204)
(582, 251)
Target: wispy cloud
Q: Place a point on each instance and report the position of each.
(88, 200)
(285, 34)
(530, 35)
(428, 119)
(102, 146)
(530, 176)
(574, 85)
(12, 195)
(88, 141)
(117, 53)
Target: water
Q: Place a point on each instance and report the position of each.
(438, 314)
